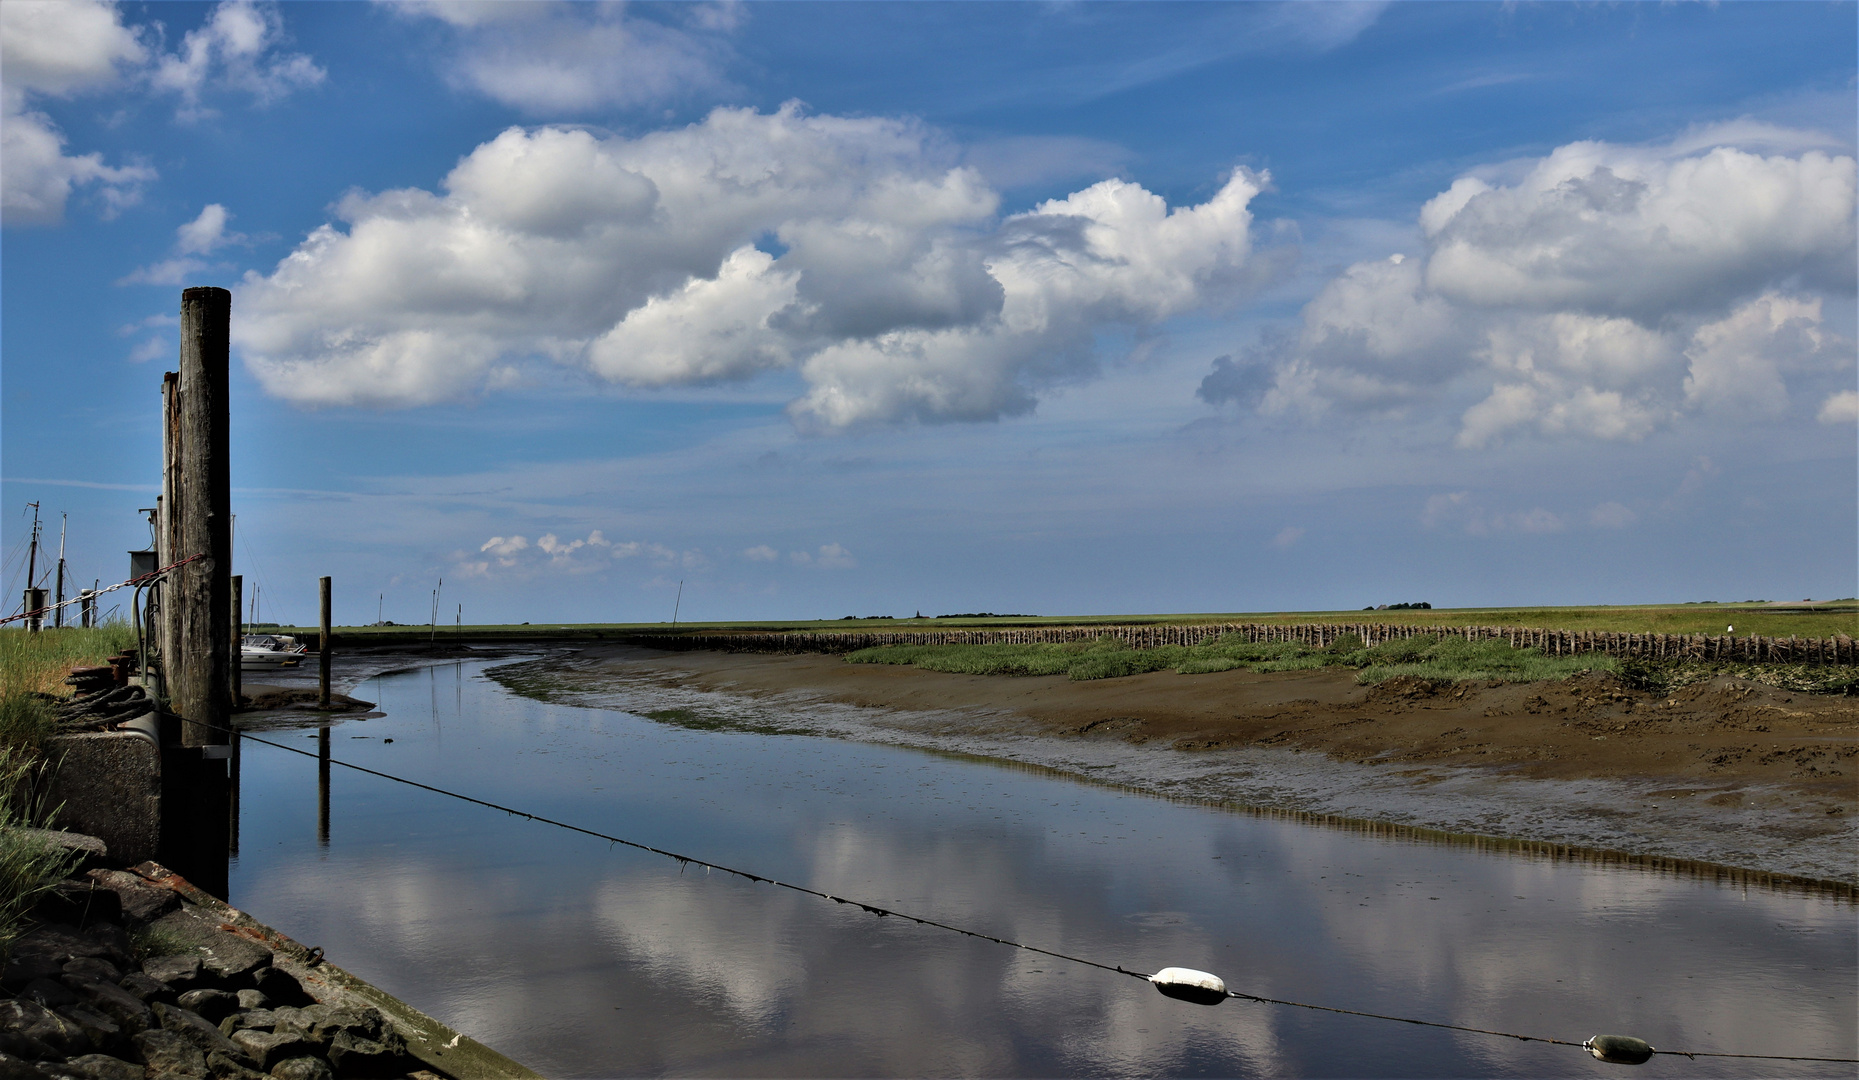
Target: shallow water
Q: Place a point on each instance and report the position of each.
(583, 959)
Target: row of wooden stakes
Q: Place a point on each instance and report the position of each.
(1748, 648)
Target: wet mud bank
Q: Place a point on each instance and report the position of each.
(1719, 777)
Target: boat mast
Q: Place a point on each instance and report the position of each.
(32, 553)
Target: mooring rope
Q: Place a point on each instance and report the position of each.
(94, 593)
(882, 912)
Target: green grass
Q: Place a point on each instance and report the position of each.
(1700, 618)
(32, 664)
(1665, 676)
(1427, 656)
(28, 865)
(693, 720)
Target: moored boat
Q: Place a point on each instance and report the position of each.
(262, 651)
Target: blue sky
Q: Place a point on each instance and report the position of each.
(828, 309)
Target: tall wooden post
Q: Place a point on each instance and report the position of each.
(199, 594)
(322, 647)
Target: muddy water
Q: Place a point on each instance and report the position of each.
(585, 960)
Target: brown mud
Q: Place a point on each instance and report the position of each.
(1723, 771)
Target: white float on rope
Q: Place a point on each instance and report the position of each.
(1187, 984)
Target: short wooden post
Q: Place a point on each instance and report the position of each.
(238, 640)
(322, 649)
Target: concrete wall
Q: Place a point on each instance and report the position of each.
(109, 785)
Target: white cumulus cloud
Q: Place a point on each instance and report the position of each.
(1611, 515)
(1600, 292)
(573, 555)
(1840, 408)
(236, 49)
(58, 49)
(63, 48)
(200, 236)
(1462, 509)
(556, 58)
(857, 252)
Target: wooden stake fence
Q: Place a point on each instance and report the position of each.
(1750, 648)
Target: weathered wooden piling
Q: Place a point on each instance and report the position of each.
(167, 523)
(322, 645)
(199, 595)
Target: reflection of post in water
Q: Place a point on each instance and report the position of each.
(237, 644)
(232, 807)
(322, 785)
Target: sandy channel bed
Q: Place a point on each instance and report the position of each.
(1725, 772)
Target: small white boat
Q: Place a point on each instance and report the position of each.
(265, 651)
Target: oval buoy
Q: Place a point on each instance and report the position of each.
(1187, 984)
(1619, 1049)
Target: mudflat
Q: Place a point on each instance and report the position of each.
(1721, 732)
(1723, 771)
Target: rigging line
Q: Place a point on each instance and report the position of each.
(264, 582)
(143, 580)
(874, 909)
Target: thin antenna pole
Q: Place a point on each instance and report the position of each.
(678, 604)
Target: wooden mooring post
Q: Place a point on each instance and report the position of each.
(322, 645)
(195, 629)
(199, 595)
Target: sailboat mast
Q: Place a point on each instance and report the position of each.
(32, 553)
(58, 615)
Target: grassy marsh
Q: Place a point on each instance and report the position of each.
(1428, 656)
(1749, 617)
